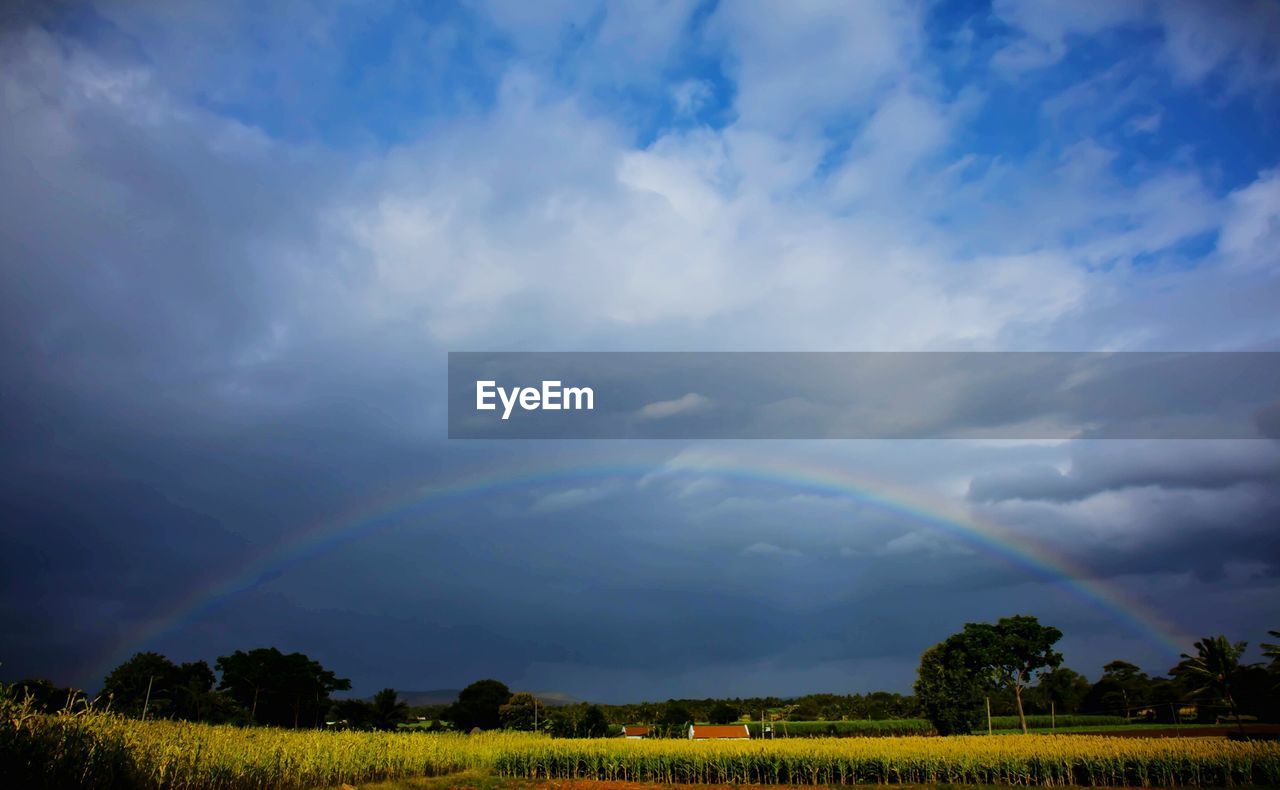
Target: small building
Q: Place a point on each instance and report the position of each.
(635, 731)
(718, 732)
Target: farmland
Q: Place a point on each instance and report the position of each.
(101, 750)
(896, 727)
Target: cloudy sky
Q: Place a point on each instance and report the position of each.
(237, 241)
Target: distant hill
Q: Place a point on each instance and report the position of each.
(445, 696)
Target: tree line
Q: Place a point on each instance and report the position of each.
(1014, 661)
(1010, 667)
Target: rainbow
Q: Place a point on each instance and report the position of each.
(317, 539)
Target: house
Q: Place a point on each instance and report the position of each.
(718, 732)
(635, 731)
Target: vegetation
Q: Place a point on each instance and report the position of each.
(142, 733)
(385, 711)
(150, 684)
(884, 728)
(280, 689)
(98, 750)
(1045, 722)
(479, 705)
(968, 667)
(1214, 670)
(950, 685)
(862, 728)
(1062, 760)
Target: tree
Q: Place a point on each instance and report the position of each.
(1272, 651)
(1064, 688)
(355, 714)
(562, 722)
(949, 688)
(152, 683)
(279, 689)
(1122, 687)
(1015, 649)
(1214, 670)
(478, 705)
(594, 724)
(674, 719)
(387, 710)
(723, 713)
(45, 696)
(519, 712)
(141, 683)
(955, 674)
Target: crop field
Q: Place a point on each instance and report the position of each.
(98, 750)
(897, 727)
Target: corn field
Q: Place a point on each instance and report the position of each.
(98, 750)
(1031, 760)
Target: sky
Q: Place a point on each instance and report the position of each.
(238, 240)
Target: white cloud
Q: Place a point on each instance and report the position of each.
(571, 498)
(1234, 39)
(762, 549)
(1250, 237)
(922, 542)
(1046, 26)
(688, 403)
(796, 64)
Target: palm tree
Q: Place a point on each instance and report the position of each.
(1214, 669)
(1272, 651)
(386, 710)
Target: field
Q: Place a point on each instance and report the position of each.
(897, 727)
(97, 750)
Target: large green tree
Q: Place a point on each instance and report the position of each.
(479, 705)
(950, 687)
(956, 673)
(280, 689)
(519, 712)
(1016, 649)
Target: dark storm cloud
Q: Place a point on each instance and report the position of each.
(1097, 467)
(1162, 507)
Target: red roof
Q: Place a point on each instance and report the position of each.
(635, 729)
(720, 731)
